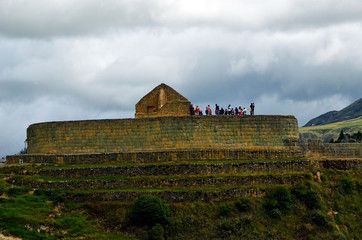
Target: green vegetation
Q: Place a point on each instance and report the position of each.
(149, 211)
(348, 138)
(332, 131)
(243, 204)
(309, 209)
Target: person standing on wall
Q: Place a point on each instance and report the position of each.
(252, 106)
(192, 110)
(222, 111)
(197, 110)
(209, 110)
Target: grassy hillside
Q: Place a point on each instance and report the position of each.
(354, 110)
(328, 131)
(324, 204)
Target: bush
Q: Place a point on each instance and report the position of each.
(278, 201)
(38, 192)
(299, 191)
(243, 204)
(319, 219)
(49, 194)
(275, 213)
(156, 233)
(22, 232)
(224, 209)
(75, 226)
(16, 191)
(346, 185)
(226, 228)
(312, 199)
(149, 211)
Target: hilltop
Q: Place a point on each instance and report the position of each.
(350, 112)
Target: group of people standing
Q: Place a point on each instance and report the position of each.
(221, 111)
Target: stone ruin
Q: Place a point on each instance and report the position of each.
(162, 101)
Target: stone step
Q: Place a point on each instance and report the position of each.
(204, 195)
(164, 182)
(185, 169)
(260, 153)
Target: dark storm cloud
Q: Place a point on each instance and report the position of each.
(88, 59)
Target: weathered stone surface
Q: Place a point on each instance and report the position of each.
(163, 134)
(313, 147)
(180, 169)
(152, 157)
(164, 183)
(347, 164)
(162, 101)
(168, 196)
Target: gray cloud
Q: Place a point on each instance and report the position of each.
(66, 60)
(44, 19)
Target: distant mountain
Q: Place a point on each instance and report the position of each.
(350, 112)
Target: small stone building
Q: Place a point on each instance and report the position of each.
(162, 101)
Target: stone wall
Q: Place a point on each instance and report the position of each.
(163, 183)
(162, 134)
(153, 157)
(313, 147)
(180, 169)
(350, 164)
(169, 196)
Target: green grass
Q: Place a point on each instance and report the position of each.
(38, 216)
(332, 130)
(27, 178)
(36, 167)
(31, 216)
(356, 122)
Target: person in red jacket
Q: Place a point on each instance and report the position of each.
(197, 110)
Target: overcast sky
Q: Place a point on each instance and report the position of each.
(91, 59)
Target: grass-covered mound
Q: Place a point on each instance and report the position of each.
(311, 209)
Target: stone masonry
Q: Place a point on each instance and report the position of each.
(163, 134)
(162, 101)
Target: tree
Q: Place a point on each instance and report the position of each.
(341, 137)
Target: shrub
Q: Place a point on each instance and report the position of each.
(299, 191)
(245, 220)
(156, 233)
(224, 209)
(226, 228)
(319, 219)
(243, 204)
(279, 199)
(22, 232)
(49, 194)
(312, 199)
(275, 213)
(75, 226)
(38, 192)
(346, 185)
(15, 191)
(149, 211)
